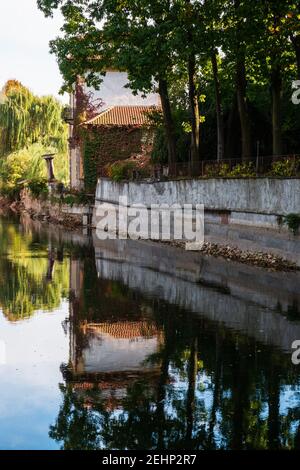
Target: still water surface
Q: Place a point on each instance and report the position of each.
(102, 353)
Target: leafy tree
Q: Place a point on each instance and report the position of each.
(30, 126)
(26, 119)
(185, 49)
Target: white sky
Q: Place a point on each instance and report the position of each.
(24, 47)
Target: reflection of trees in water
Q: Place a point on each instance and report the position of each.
(30, 278)
(215, 389)
(77, 426)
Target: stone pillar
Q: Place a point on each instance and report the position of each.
(49, 162)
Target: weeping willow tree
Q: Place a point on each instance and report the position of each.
(26, 119)
(29, 127)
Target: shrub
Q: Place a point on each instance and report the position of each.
(76, 197)
(215, 170)
(222, 170)
(83, 198)
(14, 170)
(12, 193)
(70, 200)
(28, 164)
(121, 171)
(293, 222)
(243, 170)
(38, 187)
(284, 168)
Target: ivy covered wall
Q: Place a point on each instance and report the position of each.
(106, 144)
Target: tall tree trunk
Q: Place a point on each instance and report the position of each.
(169, 123)
(231, 136)
(161, 395)
(296, 43)
(241, 403)
(219, 110)
(276, 88)
(274, 414)
(195, 113)
(241, 86)
(216, 393)
(190, 405)
(193, 99)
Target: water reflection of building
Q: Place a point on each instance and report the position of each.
(109, 350)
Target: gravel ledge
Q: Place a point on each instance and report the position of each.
(231, 253)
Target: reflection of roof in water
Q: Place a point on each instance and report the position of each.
(111, 389)
(111, 380)
(124, 330)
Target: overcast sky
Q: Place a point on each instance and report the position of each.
(24, 46)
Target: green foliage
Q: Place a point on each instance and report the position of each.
(216, 170)
(284, 168)
(26, 119)
(38, 187)
(91, 143)
(222, 170)
(30, 126)
(243, 170)
(121, 171)
(28, 164)
(182, 137)
(24, 288)
(14, 170)
(293, 222)
(156, 41)
(70, 200)
(77, 197)
(160, 148)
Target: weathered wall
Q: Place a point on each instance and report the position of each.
(71, 216)
(265, 196)
(107, 144)
(239, 212)
(76, 169)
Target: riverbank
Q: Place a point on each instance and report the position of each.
(71, 218)
(48, 211)
(253, 220)
(233, 253)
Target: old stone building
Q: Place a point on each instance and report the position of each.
(119, 131)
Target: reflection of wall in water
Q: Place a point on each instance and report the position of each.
(118, 347)
(107, 355)
(246, 300)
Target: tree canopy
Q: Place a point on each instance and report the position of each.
(26, 119)
(233, 62)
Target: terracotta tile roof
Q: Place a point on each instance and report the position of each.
(124, 330)
(123, 116)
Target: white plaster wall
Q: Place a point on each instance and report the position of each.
(113, 92)
(259, 196)
(107, 354)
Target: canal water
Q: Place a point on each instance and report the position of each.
(131, 345)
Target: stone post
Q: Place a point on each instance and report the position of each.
(49, 162)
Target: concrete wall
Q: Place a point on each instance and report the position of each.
(258, 196)
(238, 212)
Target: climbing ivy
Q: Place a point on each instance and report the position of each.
(91, 142)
